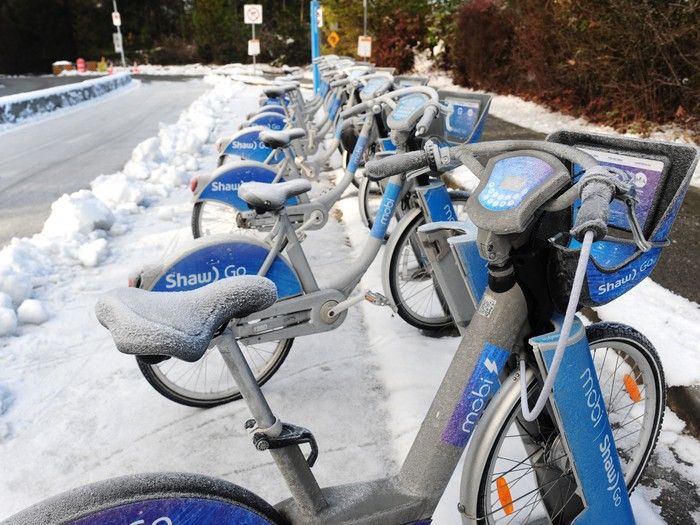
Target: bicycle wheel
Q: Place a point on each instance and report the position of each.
(215, 218)
(153, 499)
(208, 383)
(412, 288)
(522, 453)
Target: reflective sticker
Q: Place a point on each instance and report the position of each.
(385, 211)
(174, 511)
(219, 261)
(482, 385)
(387, 145)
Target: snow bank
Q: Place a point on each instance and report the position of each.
(81, 225)
(21, 106)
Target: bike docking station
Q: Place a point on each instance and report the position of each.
(553, 226)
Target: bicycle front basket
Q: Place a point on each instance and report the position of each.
(662, 172)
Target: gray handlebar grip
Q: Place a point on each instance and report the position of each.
(426, 120)
(357, 108)
(595, 208)
(396, 164)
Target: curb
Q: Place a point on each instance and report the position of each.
(685, 403)
(14, 108)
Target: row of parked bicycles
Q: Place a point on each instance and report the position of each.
(558, 418)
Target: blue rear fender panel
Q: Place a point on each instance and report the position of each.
(246, 143)
(224, 187)
(229, 259)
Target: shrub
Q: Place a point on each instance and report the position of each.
(394, 47)
(623, 62)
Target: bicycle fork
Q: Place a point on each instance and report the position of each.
(579, 409)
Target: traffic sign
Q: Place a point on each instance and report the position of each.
(116, 18)
(319, 16)
(80, 65)
(253, 13)
(253, 47)
(117, 41)
(333, 39)
(364, 46)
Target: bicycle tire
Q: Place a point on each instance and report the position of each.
(152, 499)
(156, 379)
(395, 253)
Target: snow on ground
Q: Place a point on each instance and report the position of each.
(73, 410)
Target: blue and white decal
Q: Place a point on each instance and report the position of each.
(581, 410)
(482, 386)
(357, 153)
(334, 107)
(247, 144)
(512, 179)
(604, 286)
(230, 259)
(224, 188)
(174, 511)
(438, 202)
(386, 210)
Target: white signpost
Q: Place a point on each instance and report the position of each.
(253, 14)
(117, 40)
(364, 46)
(117, 21)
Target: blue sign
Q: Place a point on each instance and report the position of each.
(462, 119)
(213, 262)
(247, 144)
(175, 511)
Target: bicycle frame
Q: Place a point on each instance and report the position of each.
(473, 377)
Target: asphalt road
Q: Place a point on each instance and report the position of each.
(12, 85)
(41, 161)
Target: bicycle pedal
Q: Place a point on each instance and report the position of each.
(378, 299)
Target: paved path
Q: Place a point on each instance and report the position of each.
(41, 161)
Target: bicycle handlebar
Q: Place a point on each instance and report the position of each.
(376, 170)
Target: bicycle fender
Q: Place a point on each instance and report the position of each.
(210, 259)
(222, 185)
(269, 119)
(391, 246)
(246, 143)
